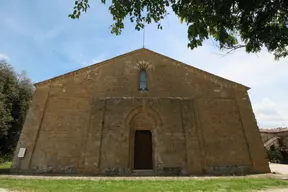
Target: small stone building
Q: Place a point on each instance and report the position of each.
(276, 139)
(273, 136)
(140, 113)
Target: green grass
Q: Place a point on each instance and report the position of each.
(5, 165)
(207, 185)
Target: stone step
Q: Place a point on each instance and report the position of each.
(143, 172)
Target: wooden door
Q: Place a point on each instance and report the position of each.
(143, 150)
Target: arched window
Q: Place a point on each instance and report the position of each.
(143, 80)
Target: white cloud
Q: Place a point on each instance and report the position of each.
(253, 70)
(269, 114)
(99, 58)
(86, 62)
(4, 56)
(266, 77)
(61, 44)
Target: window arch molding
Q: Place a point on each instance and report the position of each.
(142, 66)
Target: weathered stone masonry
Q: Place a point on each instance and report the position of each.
(84, 122)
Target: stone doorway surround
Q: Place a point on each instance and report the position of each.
(143, 118)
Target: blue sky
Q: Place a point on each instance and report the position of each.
(39, 38)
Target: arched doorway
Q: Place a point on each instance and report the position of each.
(143, 158)
(143, 123)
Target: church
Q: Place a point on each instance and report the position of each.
(140, 113)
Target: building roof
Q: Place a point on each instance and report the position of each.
(274, 130)
(135, 51)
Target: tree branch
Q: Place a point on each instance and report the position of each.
(234, 48)
(229, 49)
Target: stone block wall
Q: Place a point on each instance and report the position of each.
(83, 122)
(223, 140)
(30, 130)
(62, 135)
(252, 133)
(187, 135)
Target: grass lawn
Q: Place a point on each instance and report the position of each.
(207, 185)
(5, 165)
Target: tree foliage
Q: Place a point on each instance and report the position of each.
(233, 24)
(15, 96)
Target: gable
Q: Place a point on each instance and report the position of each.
(206, 75)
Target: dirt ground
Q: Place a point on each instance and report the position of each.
(274, 190)
(279, 168)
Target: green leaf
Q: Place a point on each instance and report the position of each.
(257, 23)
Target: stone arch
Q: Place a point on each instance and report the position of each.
(142, 118)
(143, 110)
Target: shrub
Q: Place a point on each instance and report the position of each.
(275, 155)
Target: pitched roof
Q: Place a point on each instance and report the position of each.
(274, 130)
(139, 50)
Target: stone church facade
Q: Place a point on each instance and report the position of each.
(140, 113)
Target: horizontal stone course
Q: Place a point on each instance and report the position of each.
(85, 123)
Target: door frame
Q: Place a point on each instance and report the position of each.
(156, 123)
(132, 140)
(152, 157)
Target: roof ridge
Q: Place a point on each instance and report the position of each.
(274, 130)
(132, 52)
(201, 71)
(87, 67)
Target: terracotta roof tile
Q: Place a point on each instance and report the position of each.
(274, 130)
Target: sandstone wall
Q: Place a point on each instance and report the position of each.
(84, 122)
(62, 135)
(30, 130)
(223, 140)
(119, 77)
